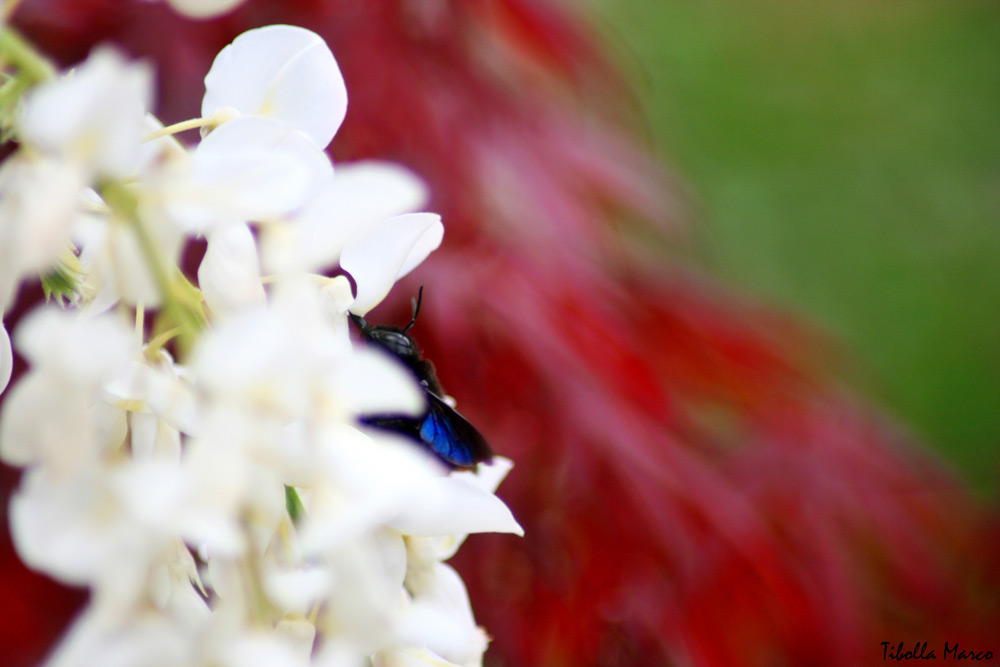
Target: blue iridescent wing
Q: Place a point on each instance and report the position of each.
(451, 436)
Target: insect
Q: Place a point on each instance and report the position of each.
(441, 428)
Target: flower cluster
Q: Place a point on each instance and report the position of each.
(221, 502)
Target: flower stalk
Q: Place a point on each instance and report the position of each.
(182, 314)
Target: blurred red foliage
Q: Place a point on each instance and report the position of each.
(696, 486)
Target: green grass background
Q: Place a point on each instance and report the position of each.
(845, 160)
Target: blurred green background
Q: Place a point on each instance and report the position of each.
(844, 158)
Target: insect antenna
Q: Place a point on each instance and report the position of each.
(416, 308)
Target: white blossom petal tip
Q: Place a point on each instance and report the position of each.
(283, 72)
(452, 506)
(487, 476)
(382, 254)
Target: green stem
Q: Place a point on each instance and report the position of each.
(293, 503)
(181, 300)
(17, 51)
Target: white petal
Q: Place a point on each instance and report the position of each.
(94, 115)
(110, 425)
(150, 490)
(39, 199)
(362, 194)
(426, 243)
(377, 257)
(283, 72)
(129, 268)
(153, 439)
(258, 650)
(487, 476)
(203, 9)
(43, 420)
(115, 263)
(145, 639)
(436, 549)
(378, 384)
(70, 529)
(249, 169)
(449, 506)
(6, 358)
(335, 299)
(89, 351)
(260, 359)
(296, 591)
(370, 478)
(229, 275)
(410, 657)
(441, 616)
(298, 635)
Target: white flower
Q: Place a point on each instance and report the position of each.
(280, 72)
(38, 200)
(93, 116)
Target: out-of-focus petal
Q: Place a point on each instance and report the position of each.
(229, 274)
(297, 634)
(57, 527)
(203, 9)
(152, 438)
(41, 422)
(377, 257)
(96, 639)
(370, 477)
(377, 384)
(298, 590)
(6, 358)
(336, 299)
(94, 116)
(258, 650)
(88, 351)
(441, 615)
(38, 199)
(283, 72)
(409, 657)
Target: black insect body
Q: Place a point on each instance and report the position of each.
(441, 429)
